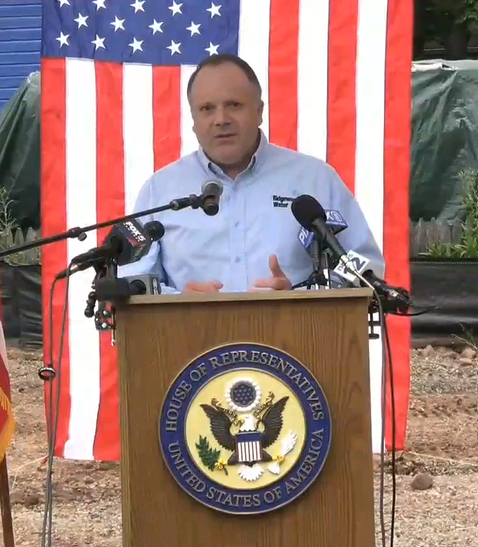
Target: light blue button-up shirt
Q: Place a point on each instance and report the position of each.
(254, 220)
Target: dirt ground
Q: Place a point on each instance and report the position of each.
(442, 444)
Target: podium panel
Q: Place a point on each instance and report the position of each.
(245, 420)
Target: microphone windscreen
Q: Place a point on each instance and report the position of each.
(155, 229)
(306, 209)
(212, 188)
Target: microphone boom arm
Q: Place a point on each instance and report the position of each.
(193, 201)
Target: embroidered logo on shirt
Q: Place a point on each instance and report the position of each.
(281, 201)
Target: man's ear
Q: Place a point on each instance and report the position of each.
(260, 111)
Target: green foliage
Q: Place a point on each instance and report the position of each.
(8, 227)
(208, 456)
(468, 338)
(438, 20)
(468, 246)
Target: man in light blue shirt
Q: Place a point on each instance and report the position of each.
(252, 242)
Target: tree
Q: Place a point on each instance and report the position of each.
(448, 22)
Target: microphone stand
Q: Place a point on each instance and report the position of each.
(193, 201)
(317, 279)
(104, 318)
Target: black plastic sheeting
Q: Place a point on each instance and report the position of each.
(22, 305)
(20, 152)
(449, 286)
(444, 136)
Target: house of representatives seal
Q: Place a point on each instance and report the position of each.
(245, 428)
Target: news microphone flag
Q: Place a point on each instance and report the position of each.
(7, 421)
(335, 222)
(336, 84)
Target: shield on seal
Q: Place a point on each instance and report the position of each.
(249, 447)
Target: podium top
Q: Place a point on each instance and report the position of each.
(189, 298)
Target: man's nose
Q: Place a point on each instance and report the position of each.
(221, 116)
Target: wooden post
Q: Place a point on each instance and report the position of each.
(6, 509)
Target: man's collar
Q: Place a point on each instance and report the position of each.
(254, 164)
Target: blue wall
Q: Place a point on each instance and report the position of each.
(20, 39)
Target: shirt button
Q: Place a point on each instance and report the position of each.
(236, 224)
(238, 259)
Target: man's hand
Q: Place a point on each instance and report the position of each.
(202, 287)
(278, 280)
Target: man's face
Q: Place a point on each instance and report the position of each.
(227, 112)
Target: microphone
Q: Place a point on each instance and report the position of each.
(360, 263)
(122, 288)
(126, 242)
(310, 215)
(211, 191)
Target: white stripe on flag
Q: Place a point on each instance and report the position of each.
(138, 129)
(254, 30)
(312, 82)
(189, 143)
(81, 210)
(369, 157)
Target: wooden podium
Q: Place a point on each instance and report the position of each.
(326, 331)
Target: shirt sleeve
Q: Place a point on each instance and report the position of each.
(151, 262)
(357, 236)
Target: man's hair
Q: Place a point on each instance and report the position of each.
(221, 59)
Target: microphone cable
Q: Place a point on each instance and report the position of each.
(386, 358)
(47, 374)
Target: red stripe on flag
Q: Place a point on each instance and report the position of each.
(54, 221)
(283, 72)
(396, 200)
(110, 203)
(341, 104)
(166, 115)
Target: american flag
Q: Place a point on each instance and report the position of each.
(336, 76)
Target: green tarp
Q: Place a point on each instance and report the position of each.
(20, 153)
(444, 136)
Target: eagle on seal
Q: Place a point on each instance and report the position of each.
(254, 436)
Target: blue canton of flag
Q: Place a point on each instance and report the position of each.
(156, 32)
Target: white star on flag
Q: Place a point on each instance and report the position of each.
(212, 50)
(63, 39)
(214, 10)
(136, 45)
(99, 43)
(174, 47)
(175, 8)
(156, 27)
(138, 6)
(194, 29)
(118, 23)
(99, 4)
(63, 2)
(81, 20)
